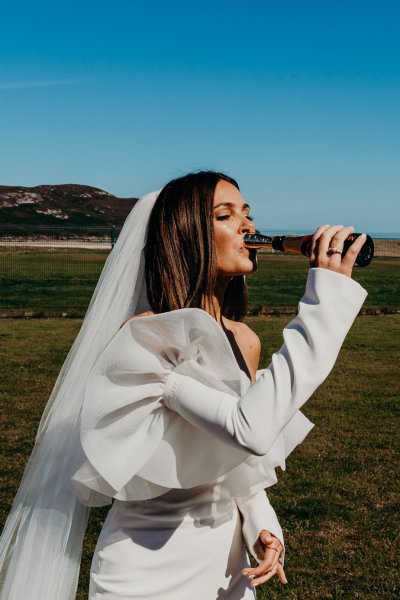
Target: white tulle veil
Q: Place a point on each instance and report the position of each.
(40, 547)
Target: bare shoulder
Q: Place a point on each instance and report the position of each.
(248, 342)
(143, 314)
(245, 336)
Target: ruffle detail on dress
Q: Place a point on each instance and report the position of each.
(135, 447)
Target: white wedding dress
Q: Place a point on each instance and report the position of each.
(184, 544)
(173, 430)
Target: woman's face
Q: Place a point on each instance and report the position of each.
(231, 223)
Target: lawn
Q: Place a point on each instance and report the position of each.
(337, 500)
(53, 281)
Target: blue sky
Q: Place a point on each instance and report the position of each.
(298, 100)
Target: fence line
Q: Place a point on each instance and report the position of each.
(109, 231)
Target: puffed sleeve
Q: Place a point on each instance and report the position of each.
(258, 514)
(132, 446)
(121, 421)
(312, 342)
(165, 407)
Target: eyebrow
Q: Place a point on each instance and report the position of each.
(230, 204)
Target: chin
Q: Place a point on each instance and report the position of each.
(242, 270)
(251, 264)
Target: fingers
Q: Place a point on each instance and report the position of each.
(269, 566)
(333, 237)
(314, 242)
(276, 570)
(271, 558)
(272, 552)
(281, 574)
(265, 539)
(350, 257)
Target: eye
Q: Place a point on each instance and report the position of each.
(250, 218)
(222, 217)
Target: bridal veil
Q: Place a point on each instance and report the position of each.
(40, 547)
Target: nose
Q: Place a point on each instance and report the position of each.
(247, 226)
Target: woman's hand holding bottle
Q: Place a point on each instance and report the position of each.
(327, 245)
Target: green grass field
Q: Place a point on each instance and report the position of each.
(337, 500)
(62, 280)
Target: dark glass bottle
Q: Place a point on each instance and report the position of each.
(302, 245)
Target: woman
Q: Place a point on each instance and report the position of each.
(167, 414)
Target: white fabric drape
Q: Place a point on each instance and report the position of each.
(40, 546)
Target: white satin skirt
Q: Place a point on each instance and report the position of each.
(184, 545)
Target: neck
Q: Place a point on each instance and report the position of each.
(218, 297)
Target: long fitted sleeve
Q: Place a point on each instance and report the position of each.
(312, 341)
(257, 514)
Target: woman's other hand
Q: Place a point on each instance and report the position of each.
(270, 564)
(332, 237)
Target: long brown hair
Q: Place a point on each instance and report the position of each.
(180, 258)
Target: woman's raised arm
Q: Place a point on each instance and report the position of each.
(312, 341)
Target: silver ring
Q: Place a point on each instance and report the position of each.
(333, 250)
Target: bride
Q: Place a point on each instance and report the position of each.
(160, 409)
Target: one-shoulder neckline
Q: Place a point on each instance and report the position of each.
(208, 317)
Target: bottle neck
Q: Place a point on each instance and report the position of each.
(281, 243)
(257, 240)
